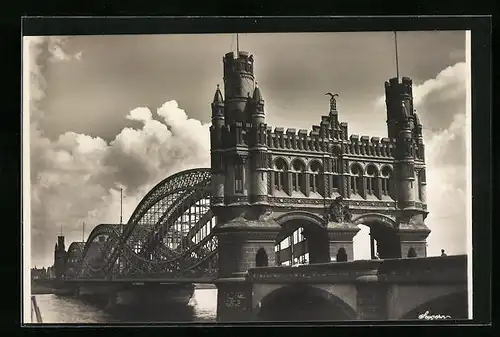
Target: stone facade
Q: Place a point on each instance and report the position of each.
(260, 174)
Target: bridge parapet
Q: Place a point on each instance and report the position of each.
(449, 269)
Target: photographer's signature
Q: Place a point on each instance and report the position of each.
(427, 316)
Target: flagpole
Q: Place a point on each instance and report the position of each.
(237, 45)
(396, 49)
(83, 232)
(121, 206)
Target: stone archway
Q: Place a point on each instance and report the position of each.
(313, 231)
(451, 306)
(304, 303)
(384, 239)
(261, 259)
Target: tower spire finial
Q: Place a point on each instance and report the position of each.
(333, 101)
(396, 50)
(121, 206)
(237, 44)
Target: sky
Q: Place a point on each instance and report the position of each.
(111, 112)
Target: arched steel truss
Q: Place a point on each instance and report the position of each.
(73, 258)
(168, 235)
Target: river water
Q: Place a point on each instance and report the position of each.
(63, 310)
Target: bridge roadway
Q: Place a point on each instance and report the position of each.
(391, 289)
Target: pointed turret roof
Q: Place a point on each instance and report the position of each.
(218, 96)
(417, 119)
(257, 96)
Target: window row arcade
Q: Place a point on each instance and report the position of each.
(298, 180)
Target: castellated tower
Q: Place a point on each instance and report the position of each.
(239, 151)
(405, 129)
(240, 180)
(239, 168)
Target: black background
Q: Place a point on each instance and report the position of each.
(10, 166)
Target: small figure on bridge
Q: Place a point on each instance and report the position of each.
(443, 253)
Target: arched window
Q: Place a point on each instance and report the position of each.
(386, 180)
(238, 178)
(315, 178)
(261, 259)
(298, 176)
(281, 175)
(411, 252)
(356, 179)
(341, 255)
(372, 180)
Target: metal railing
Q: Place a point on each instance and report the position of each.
(35, 311)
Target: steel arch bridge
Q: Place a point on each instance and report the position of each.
(169, 235)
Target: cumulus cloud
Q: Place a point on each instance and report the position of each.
(77, 177)
(441, 105)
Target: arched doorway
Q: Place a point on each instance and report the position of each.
(261, 259)
(383, 241)
(302, 240)
(411, 252)
(341, 255)
(303, 303)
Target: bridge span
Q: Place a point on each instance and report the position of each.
(272, 198)
(390, 289)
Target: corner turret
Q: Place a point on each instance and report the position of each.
(399, 102)
(258, 116)
(218, 108)
(239, 86)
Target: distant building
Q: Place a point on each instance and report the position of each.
(59, 257)
(38, 273)
(51, 272)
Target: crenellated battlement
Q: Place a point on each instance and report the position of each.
(247, 134)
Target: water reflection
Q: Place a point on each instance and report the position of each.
(59, 309)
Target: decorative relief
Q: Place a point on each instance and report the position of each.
(306, 274)
(338, 211)
(243, 158)
(259, 198)
(234, 299)
(235, 199)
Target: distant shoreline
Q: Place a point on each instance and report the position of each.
(43, 290)
(204, 286)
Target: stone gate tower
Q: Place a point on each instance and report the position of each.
(267, 183)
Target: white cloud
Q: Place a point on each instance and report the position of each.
(78, 177)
